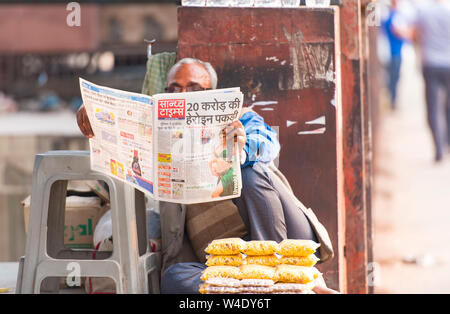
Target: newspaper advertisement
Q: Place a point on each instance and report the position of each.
(175, 147)
(122, 146)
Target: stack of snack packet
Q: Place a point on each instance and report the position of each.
(296, 272)
(236, 266)
(258, 269)
(223, 272)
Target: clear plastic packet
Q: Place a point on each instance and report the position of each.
(224, 260)
(252, 248)
(293, 288)
(296, 274)
(221, 271)
(290, 292)
(210, 289)
(292, 247)
(256, 289)
(223, 282)
(257, 272)
(308, 261)
(228, 246)
(264, 260)
(257, 282)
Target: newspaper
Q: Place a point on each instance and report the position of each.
(174, 147)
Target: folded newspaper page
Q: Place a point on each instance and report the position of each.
(174, 147)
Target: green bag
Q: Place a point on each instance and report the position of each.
(158, 66)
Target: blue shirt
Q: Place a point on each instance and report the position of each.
(262, 141)
(395, 42)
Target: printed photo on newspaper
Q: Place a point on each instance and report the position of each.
(174, 147)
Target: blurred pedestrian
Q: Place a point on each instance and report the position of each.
(431, 31)
(396, 42)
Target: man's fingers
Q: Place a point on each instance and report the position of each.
(90, 132)
(324, 290)
(237, 135)
(320, 287)
(86, 127)
(241, 141)
(236, 131)
(233, 126)
(234, 136)
(80, 122)
(240, 132)
(83, 122)
(229, 129)
(237, 124)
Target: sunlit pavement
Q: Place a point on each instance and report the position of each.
(411, 201)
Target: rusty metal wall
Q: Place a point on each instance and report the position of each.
(356, 140)
(286, 61)
(372, 83)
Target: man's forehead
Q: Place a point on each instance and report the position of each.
(194, 71)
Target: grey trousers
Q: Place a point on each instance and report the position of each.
(436, 79)
(267, 209)
(268, 212)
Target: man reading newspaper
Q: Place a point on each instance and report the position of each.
(265, 205)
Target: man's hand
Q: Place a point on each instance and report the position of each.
(236, 129)
(324, 290)
(321, 287)
(83, 122)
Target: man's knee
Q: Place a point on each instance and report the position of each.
(182, 278)
(254, 177)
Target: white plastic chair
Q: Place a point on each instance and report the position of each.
(46, 257)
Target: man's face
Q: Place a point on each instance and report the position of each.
(189, 77)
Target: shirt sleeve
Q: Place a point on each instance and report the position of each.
(262, 141)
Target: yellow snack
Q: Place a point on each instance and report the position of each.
(221, 271)
(297, 247)
(264, 260)
(224, 260)
(260, 248)
(229, 246)
(309, 260)
(296, 274)
(257, 272)
(202, 289)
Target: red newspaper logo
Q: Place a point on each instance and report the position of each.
(171, 108)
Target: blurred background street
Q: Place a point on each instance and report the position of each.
(411, 195)
(39, 91)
